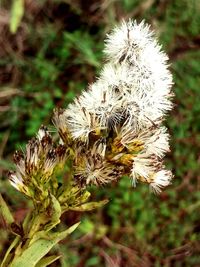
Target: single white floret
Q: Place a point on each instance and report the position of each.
(160, 180)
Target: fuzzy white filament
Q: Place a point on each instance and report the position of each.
(127, 104)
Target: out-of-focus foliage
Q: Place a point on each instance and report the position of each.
(55, 52)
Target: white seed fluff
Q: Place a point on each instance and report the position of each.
(131, 97)
(160, 180)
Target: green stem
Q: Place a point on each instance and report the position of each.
(37, 220)
(8, 255)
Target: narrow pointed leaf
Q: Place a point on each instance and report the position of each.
(5, 212)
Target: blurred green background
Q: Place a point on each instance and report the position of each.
(50, 51)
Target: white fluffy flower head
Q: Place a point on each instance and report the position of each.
(126, 107)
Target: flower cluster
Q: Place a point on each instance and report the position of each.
(35, 167)
(123, 111)
(114, 127)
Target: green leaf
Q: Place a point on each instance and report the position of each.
(89, 206)
(17, 12)
(34, 253)
(47, 260)
(5, 212)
